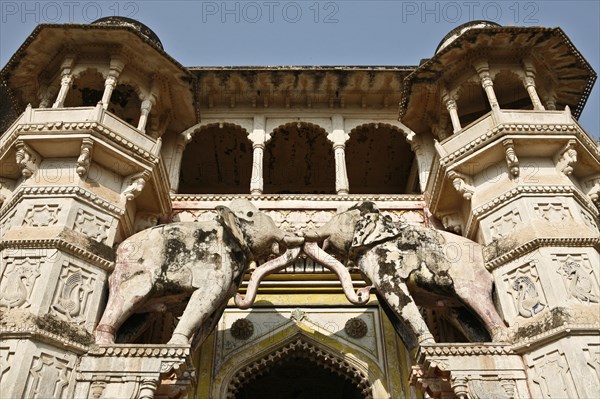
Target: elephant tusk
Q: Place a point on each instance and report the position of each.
(261, 272)
(360, 297)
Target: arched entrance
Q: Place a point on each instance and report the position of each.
(299, 370)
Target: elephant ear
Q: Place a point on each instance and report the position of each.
(232, 225)
(374, 228)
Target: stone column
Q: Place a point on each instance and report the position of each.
(338, 138)
(258, 137)
(450, 102)
(146, 108)
(66, 81)
(175, 165)
(483, 70)
(529, 83)
(116, 67)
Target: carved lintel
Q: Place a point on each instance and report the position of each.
(27, 159)
(566, 158)
(135, 184)
(462, 184)
(511, 158)
(452, 222)
(85, 158)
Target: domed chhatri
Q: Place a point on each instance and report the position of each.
(459, 30)
(137, 25)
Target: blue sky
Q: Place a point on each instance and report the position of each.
(392, 32)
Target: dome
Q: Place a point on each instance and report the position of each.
(124, 21)
(459, 30)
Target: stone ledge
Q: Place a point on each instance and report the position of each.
(555, 334)
(138, 350)
(34, 333)
(303, 197)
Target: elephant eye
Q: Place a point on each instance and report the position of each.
(249, 214)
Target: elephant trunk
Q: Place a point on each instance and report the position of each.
(361, 296)
(261, 272)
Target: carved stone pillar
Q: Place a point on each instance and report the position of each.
(258, 137)
(450, 102)
(483, 70)
(147, 389)
(529, 83)
(175, 169)
(338, 137)
(66, 81)
(146, 108)
(116, 67)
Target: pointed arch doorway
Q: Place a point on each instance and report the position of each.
(299, 370)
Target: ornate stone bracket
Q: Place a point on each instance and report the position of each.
(27, 159)
(511, 157)
(593, 189)
(566, 158)
(462, 184)
(85, 158)
(134, 185)
(452, 222)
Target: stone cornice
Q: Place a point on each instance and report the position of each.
(442, 350)
(139, 350)
(541, 242)
(61, 191)
(36, 334)
(554, 334)
(303, 197)
(61, 244)
(520, 191)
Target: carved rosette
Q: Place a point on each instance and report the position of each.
(242, 329)
(356, 328)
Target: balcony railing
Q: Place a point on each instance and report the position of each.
(79, 116)
(481, 126)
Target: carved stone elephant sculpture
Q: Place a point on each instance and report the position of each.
(409, 264)
(202, 261)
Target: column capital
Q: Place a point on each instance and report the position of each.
(338, 135)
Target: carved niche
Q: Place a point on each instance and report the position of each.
(48, 377)
(41, 216)
(552, 376)
(73, 292)
(525, 289)
(505, 224)
(92, 226)
(553, 212)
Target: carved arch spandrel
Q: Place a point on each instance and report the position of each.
(278, 344)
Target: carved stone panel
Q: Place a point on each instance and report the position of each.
(578, 276)
(91, 225)
(505, 224)
(554, 212)
(41, 216)
(551, 376)
(48, 377)
(19, 280)
(525, 289)
(73, 294)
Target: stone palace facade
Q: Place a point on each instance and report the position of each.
(104, 135)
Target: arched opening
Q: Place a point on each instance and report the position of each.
(299, 370)
(472, 103)
(379, 160)
(86, 90)
(218, 160)
(510, 92)
(125, 103)
(299, 160)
